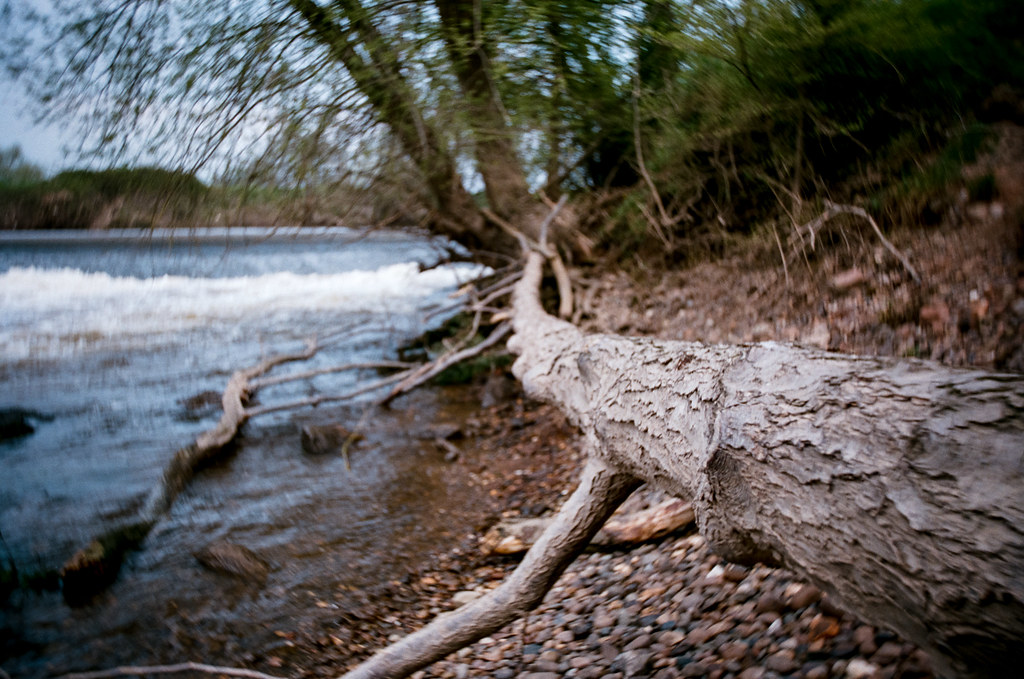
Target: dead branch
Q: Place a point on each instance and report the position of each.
(294, 377)
(446, 361)
(600, 491)
(515, 536)
(181, 467)
(129, 671)
(833, 210)
(315, 401)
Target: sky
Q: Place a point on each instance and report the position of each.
(42, 145)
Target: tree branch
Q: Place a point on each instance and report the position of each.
(600, 491)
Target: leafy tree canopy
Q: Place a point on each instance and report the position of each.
(456, 96)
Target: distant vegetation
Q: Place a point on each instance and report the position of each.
(120, 197)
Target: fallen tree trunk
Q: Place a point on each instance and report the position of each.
(895, 486)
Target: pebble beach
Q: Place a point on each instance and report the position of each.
(674, 609)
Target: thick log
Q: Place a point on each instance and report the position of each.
(895, 486)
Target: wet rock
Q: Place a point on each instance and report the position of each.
(325, 439)
(201, 405)
(91, 570)
(17, 422)
(234, 560)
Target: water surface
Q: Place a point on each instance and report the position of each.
(111, 334)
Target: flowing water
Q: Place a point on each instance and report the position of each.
(111, 334)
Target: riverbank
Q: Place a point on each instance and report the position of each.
(673, 609)
(664, 610)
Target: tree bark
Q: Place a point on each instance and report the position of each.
(895, 486)
(375, 68)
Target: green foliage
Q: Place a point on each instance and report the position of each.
(16, 170)
(721, 114)
(75, 198)
(140, 181)
(779, 99)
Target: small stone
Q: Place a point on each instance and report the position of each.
(580, 661)
(735, 573)
(858, 668)
(769, 603)
(863, 634)
(642, 641)
(464, 597)
(541, 675)
(670, 637)
(551, 655)
(752, 673)
(604, 620)
(782, 662)
(802, 596)
(694, 669)
(504, 673)
(734, 650)
(816, 671)
(632, 663)
(887, 653)
(822, 627)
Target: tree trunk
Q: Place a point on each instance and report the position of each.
(463, 26)
(895, 486)
(373, 65)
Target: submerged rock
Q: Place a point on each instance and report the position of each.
(16, 422)
(235, 560)
(325, 439)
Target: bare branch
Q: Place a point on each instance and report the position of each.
(833, 210)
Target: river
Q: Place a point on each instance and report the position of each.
(110, 334)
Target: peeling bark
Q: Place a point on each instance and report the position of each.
(896, 486)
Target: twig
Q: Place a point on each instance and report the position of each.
(373, 365)
(327, 398)
(445, 361)
(782, 253)
(169, 669)
(546, 224)
(833, 210)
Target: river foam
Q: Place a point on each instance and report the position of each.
(47, 313)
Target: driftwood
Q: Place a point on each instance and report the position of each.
(895, 486)
(95, 567)
(515, 536)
